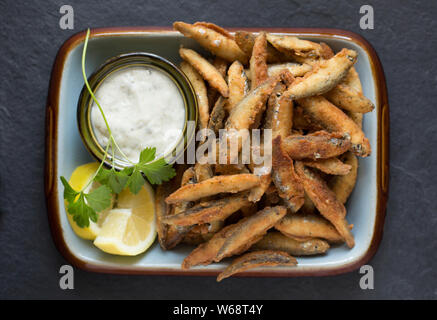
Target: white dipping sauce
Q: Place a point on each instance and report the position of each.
(144, 108)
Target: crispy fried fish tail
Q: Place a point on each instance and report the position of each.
(257, 259)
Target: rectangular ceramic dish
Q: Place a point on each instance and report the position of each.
(65, 151)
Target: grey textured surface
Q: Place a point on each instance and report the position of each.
(404, 37)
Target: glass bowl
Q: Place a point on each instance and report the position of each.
(136, 59)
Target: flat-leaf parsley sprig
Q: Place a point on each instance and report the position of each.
(83, 206)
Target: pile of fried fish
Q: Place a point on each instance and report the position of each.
(312, 101)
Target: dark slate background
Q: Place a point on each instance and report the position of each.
(404, 37)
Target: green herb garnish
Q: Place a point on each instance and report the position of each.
(84, 206)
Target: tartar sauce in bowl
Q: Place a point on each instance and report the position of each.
(144, 108)
(147, 101)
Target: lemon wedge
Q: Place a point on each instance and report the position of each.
(79, 179)
(130, 228)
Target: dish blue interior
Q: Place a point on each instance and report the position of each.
(71, 153)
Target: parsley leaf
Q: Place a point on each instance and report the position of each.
(81, 210)
(100, 198)
(103, 175)
(117, 181)
(147, 155)
(155, 171)
(114, 179)
(158, 171)
(135, 181)
(82, 213)
(69, 193)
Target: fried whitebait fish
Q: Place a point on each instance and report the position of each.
(251, 260)
(200, 90)
(347, 98)
(170, 236)
(279, 119)
(219, 44)
(264, 173)
(257, 192)
(279, 115)
(343, 186)
(318, 145)
(277, 241)
(206, 69)
(194, 239)
(353, 80)
(285, 178)
(332, 166)
(221, 65)
(301, 121)
(356, 117)
(208, 211)
(235, 238)
(162, 210)
(176, 234)
(218, 115)
(238, 85)
(295, 46)
(308, 226)
(258, 61)
(213, 186)
(250, 230)
(325, 201)
(246, 41)
(335, 120)
(325, 75)
(308, 206)
(203, 171)
(214, 27)
(230, 169)
(296, 69)
(244, 114)
(349, 95)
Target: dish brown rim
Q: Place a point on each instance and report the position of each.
(51, 174)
